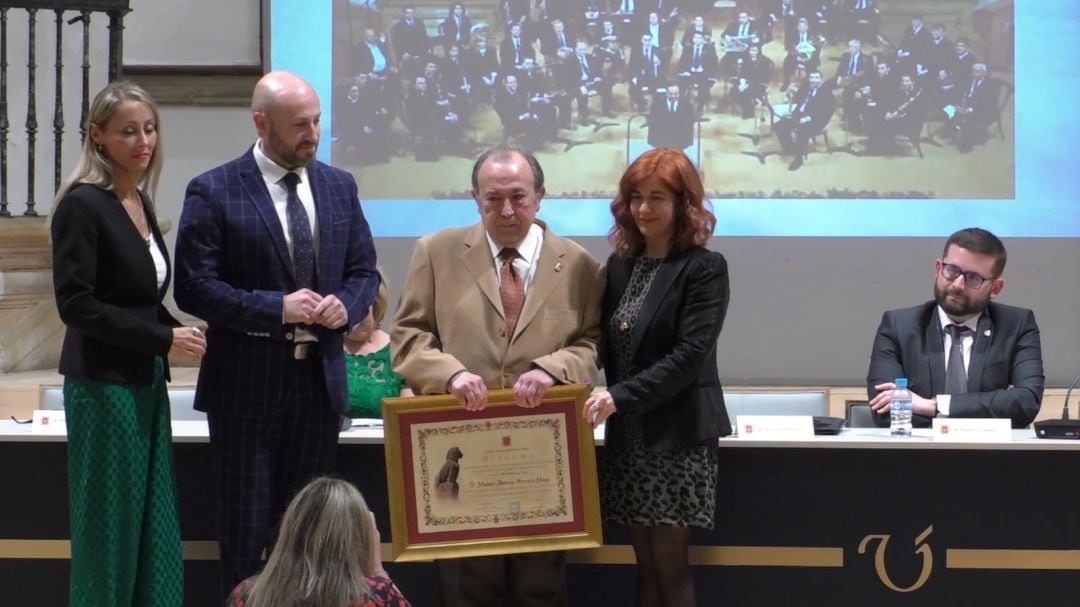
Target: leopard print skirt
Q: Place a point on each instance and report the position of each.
(643, 487)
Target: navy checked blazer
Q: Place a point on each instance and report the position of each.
(233, 270)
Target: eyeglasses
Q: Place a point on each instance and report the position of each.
(972, 280)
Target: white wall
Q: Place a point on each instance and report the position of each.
(193, 32)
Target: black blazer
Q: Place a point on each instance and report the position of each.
(106, 290)
(677, 395)
(1005, 373)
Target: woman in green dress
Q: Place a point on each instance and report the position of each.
(110, 274)
(367, 362)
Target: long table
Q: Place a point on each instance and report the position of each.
(857, 519)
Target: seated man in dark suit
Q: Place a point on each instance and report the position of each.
(961, 63)
(811, 110)
(410, 40)
(699, 67)
(671, 121)
(908, 118)
(742, 30)
(662, 33)
(482, 68)
(806, 53)
(556, 38)
(581, 76)
(977, 109)
(880, 95)
(863, 19)
(754, 71)
(372, 56)
(914, 50)
(645, 71)
(697, 26)
(738, 36)
(456, 29)
(515, 48)
(851, 71)
(940, 51)
(962, 354)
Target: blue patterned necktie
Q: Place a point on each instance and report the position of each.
(300, 232)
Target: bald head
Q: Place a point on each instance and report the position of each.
(286, 113)
(275, 87)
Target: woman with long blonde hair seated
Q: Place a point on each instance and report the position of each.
(328, 554)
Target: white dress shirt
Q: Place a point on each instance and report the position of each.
(272, 174)
(528, 254)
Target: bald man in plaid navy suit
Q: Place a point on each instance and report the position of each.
(274, 253)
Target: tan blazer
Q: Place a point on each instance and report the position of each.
(450, 317)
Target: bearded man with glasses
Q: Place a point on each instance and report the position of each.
(963, 354)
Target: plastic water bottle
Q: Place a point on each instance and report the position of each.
(900, 409)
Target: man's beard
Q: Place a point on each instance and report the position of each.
(969, 307)
(291, 158)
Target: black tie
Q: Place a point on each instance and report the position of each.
(300, 231)
(742, 30)
(956, 381)
(851, 68)
(697, 57)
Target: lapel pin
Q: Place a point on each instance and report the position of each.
(558, 266)
(986, 332)
(624, 327)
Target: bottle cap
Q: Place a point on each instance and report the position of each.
(901, 382)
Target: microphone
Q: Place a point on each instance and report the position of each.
(1060, 428)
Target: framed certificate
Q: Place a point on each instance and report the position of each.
(503, 480)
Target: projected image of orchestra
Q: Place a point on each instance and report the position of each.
(770, 98)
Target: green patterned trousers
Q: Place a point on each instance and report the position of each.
(125, 534)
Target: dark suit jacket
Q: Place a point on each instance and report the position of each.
(677, 394)
(365, 60)
(449, 32)
(863, 65)
(479, 66)
(911, 344)
(549, 41)
(710, 62)
(671, 130)
(413, 40)
(106, 290)
(508, 60)
(233, 270)
(820, 109)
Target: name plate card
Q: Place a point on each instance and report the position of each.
(972, 430)
(47, 421)
(775, 427)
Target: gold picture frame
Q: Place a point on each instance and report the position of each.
(509, 479)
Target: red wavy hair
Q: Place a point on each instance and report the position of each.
(694, 219)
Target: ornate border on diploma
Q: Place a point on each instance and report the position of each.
(570, 515)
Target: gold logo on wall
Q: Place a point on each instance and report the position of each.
(879, 559)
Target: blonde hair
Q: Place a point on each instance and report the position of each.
(382, 299)
(323, 551)
(94, 167)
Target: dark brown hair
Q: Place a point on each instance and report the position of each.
(694, 220)
(981, 242)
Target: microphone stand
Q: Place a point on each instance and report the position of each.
(1060, 428)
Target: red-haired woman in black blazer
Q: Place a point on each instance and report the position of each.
(664, 306)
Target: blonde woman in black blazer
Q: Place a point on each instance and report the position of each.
(110, 274)
(664, 306)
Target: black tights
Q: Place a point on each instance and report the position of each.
(663, 566)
